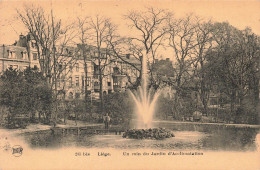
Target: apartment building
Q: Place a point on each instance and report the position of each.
(71, 77)
(20, 55)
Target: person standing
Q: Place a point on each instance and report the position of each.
(106, 121)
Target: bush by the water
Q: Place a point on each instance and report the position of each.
(119, 107)
(155, 133)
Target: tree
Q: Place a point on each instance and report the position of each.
(51, 39)
(151, 28)
(83, 35)
(12, 92)
(119, 106)
(25, 93)
(163, 73)
(38, 95)
(182, 41)
(119, 47)
(233, 60)
(100, 27)
(204, 40)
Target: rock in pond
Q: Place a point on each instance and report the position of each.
(152, 133)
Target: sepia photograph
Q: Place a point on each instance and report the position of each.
(113, 84)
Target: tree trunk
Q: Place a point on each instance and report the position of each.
(101, 91)
(204, 99)
(39, 116)
(86, 78)
(232, 104)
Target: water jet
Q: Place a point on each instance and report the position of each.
(145, 101)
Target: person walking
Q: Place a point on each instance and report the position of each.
(106, 119)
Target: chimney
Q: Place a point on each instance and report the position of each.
(21, 36)
(22, 41)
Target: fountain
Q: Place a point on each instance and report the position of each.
(145, 102)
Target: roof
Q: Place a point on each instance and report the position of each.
(17, 49)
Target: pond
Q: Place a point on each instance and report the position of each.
(188, 136)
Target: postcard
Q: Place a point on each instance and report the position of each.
(115, 84)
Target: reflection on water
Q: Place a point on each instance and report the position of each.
(187, 136)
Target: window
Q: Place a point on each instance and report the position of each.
(88, 81)
(115, 81)
(77, 81)
(60, 67)
(128, 56)
(70, 82)
(108, 83)
(22, 55)
(34, 56)
(25, 55)
(116, 70)
(96, 69)
(77, 95)
(11, 54)
(77, 67)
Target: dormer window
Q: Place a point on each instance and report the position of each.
(11, 54)
(23, 53)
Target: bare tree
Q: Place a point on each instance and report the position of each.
(49, 36)
(150, 27)
(120, 48)
(99, 28)
(204, 40)
(84, 35)
(182, 41)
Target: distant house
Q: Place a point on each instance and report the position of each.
(19, 56)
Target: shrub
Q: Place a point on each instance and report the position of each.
(119, 106)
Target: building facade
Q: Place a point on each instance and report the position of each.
(75, 73)
(73, 66)
(20, 55)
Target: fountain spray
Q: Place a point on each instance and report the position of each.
(144, 100)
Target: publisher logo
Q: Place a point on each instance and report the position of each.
(17, 150)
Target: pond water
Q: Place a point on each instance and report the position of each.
(187, 137)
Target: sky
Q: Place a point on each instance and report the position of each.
(240, 14)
